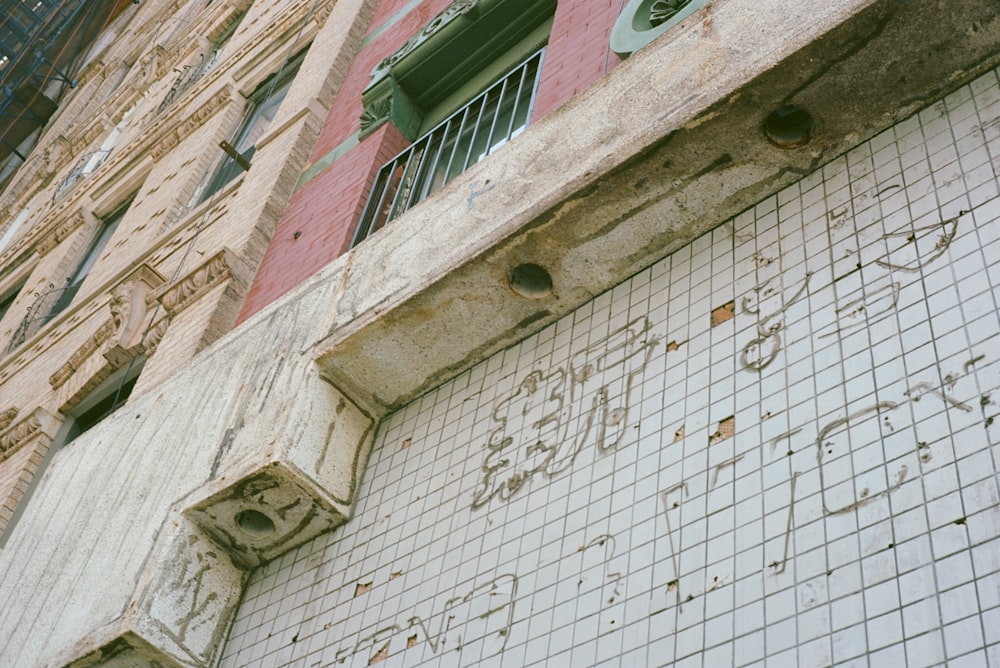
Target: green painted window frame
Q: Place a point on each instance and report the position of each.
(450, 60)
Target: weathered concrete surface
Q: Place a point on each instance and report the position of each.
(664, 148)
(635, 167)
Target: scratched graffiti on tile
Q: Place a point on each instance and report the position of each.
(758, 353)
(485, 613)
(849, 481)
(909, 251)
(552, 416)
(601, 582)
(686, 581)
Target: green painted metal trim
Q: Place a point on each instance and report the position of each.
(321, 165)
(453, 48)
(633, 29)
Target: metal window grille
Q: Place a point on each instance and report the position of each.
(489, 121)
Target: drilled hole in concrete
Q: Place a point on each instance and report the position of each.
(789, 127)
(254, 522)
(530, 281)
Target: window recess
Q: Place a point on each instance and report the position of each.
(460, 88)
(7, 298)
(486, 123)
(64, 296)
(262, 107)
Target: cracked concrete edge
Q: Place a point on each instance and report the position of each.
(153, 625)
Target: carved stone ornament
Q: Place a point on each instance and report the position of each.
(179, 613)
(214, 271)
(384, 99)
(452, 12)
(374, 115)
(46, 244)
(642, 21)
(38, 422)
(121, 335)
(7, 417)
(194, 121)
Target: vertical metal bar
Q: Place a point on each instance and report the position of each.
(425, 190)
(517, 98)
(534, 87)
(458, 138)
(496, 115)
(407, 156)
(475, 130)
(370, 213)
(415, 186)
(417, 179)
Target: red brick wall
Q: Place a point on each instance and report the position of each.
(319, 222)
(578, 52)
(325, 211)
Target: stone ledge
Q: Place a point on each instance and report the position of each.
(666, 147)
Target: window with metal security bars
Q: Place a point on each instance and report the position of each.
(489, 121)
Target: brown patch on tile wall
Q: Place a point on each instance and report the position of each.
(395, 574)
(726, 429)
(411, 641)
(380, 655)
(405, 444)
(679, 434)
(362, 588)
(723, 313)
(672, 346)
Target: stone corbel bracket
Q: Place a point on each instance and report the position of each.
(180, 612)
(122, 336)
(131, 302)
(185, 291)
(272, 498)
(23, 445)
(301, 486)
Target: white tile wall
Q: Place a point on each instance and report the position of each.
(577, 500)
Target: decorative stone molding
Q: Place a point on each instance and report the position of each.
(155, 335)
(120, 337)
(642, 21)
(7, 417)
(81, 142)
(72, 223)
(75, 361)
(195, 120)
(22, 448)
(374, 115)
(453, 11)
(383, 99)
(282, 24)
(37, 423)
(57, 155)
(222, 266)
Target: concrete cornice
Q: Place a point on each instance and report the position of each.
(664, 148)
